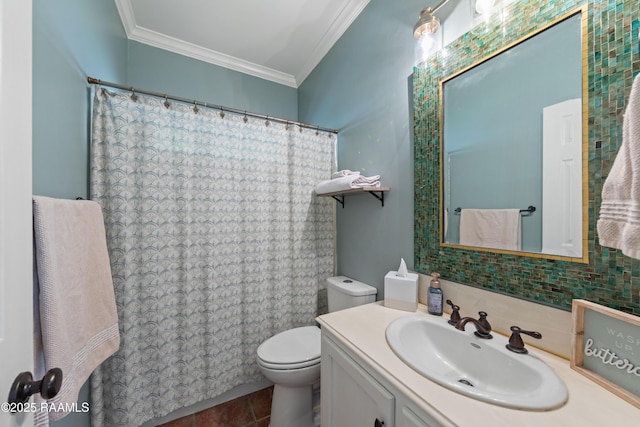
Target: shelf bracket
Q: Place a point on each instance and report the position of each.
(380, 197)
(377, 192)
(339, 200)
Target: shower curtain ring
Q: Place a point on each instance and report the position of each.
(134, 97)
(266, 123)
(195, 106)
(222, 113)
(245, 118)
(166, 102)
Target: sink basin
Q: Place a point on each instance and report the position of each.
(479, 368)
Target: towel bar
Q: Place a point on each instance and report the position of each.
(531, 209)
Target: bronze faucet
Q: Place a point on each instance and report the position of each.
(483, 328)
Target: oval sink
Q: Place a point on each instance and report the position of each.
(479, 368)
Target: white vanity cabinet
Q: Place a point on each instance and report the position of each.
(349, 395)
(364, 380)
(353, 395)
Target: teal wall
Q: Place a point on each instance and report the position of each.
(363, 87)
(71, 39)
(166, 72)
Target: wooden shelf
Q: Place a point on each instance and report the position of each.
(377, 192)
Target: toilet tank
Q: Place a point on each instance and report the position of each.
(343, 292)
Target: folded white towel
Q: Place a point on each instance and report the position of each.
(347, 183)
(366, 181)
(344, 172)
(491, 228)
(76, 326)
(619, 222)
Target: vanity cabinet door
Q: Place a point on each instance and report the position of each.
(408, 418)
(350, 396)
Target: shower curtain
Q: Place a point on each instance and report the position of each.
(216, 242)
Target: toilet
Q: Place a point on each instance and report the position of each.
(291, 359)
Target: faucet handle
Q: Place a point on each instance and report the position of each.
(455, 313)
(483, 320)
(515, 341)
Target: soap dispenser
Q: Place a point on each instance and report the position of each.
(434, 299)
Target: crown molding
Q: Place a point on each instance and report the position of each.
(181, 47)
(171, 44)
(143, 35)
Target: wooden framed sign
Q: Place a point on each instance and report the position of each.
(606, 348)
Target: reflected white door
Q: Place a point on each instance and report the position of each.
(16, 312)
(562, 179)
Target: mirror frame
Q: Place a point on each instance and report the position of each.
(583, 11)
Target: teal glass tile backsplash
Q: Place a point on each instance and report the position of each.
(613, 50)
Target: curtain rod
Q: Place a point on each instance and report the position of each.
(91, 80)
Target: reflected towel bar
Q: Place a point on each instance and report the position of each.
(531, 209)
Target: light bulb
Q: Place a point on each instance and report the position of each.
(484, 6)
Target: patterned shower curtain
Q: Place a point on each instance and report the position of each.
(216, 241)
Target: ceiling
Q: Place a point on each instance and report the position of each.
(277, 40)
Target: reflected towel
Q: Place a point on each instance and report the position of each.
(347, 183)
(76, 323)
(619, 221)
(446, 225)
(491, 228)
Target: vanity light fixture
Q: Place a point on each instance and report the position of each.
(428, 39)
(425, 31)
(428, 22)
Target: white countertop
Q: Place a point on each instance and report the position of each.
(362, 330)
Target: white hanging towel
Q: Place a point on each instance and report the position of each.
(491, 228)
(619, 221)
(76, 323)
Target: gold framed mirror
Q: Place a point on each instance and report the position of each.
(513, 147)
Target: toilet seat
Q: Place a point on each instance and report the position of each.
(288, 367)
(292, 349)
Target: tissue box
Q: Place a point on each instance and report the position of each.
(401, 292)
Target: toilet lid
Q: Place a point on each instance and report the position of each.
(291, 347)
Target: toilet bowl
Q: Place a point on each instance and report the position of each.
(291, 359)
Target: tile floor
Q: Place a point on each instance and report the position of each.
(252, 410)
